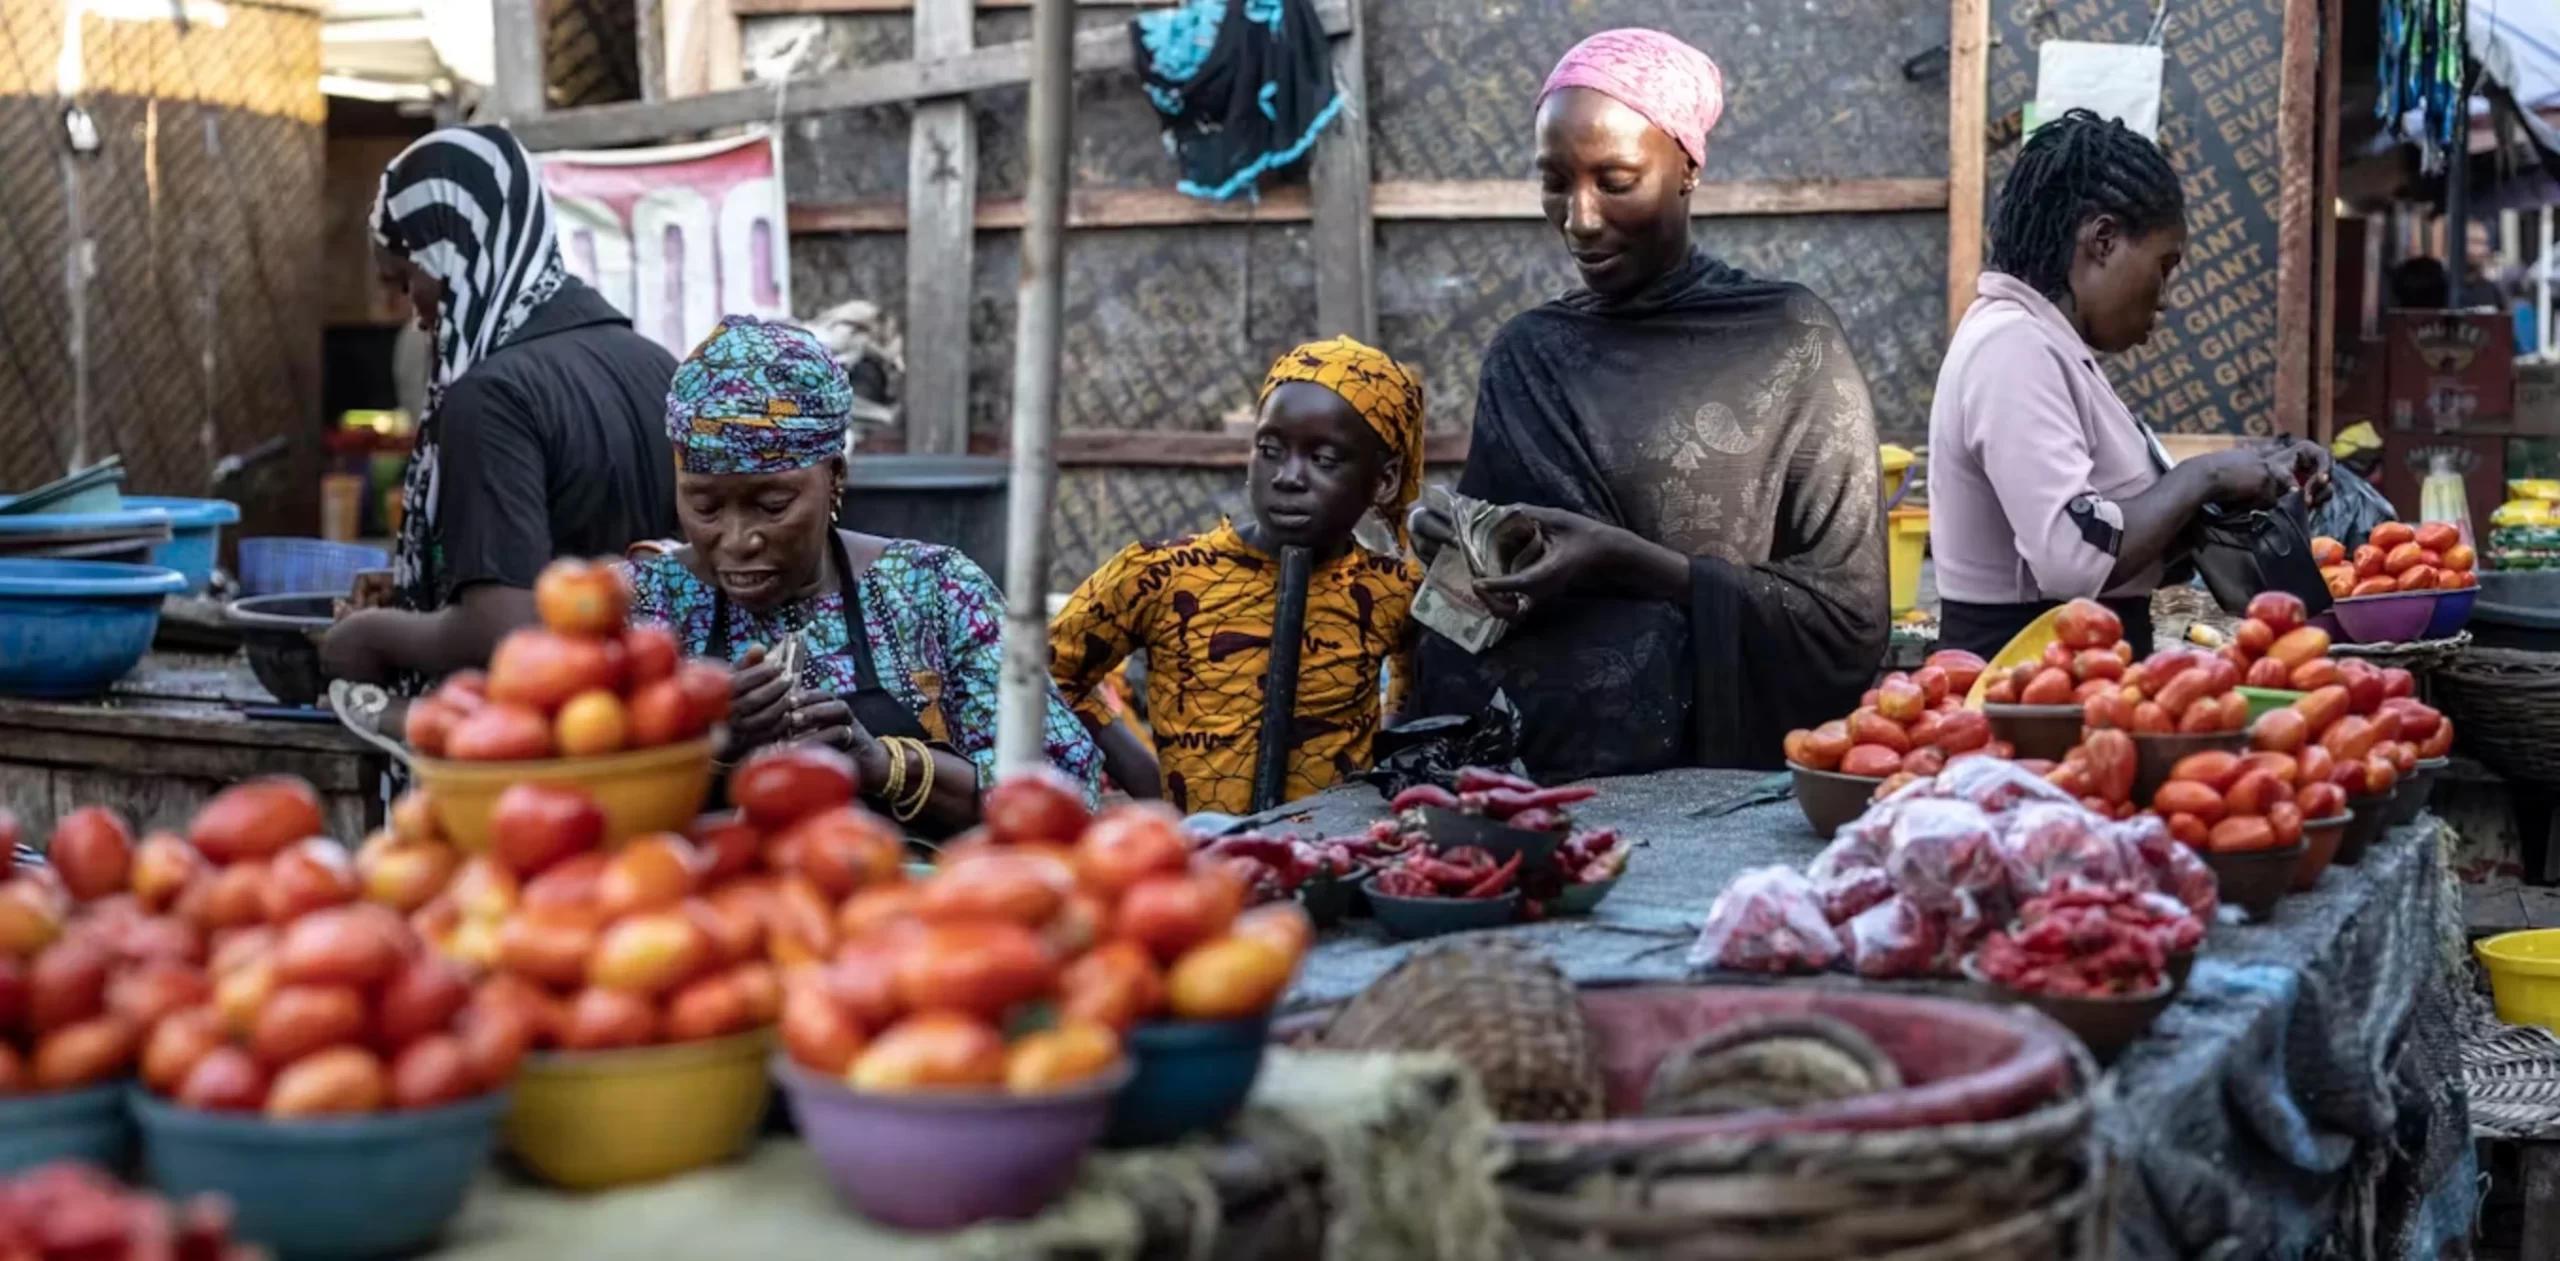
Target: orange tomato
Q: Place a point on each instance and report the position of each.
(1171, 914)
(2187, 797)
(840, 850)
(733, 940)
(84, 1054)
(300, 1019)
(997, 884)
(405, 874)
(534, 826)
(2326, 551)
(2340, 579)
(256, 819)
(2460, 558)
(541, 669)
(2417, 578)
(501, 732)
(549, 945)
(1132, 843)
(876, 908)
(2320, 800)
(177, 1044)
(817, 1034)
(577, 597)
(981, 967)
(1038, 806)
(2436, 536)
(1053, 1059)
(2391, 534)
(591, 724)
(712, 1007)
(340, 1081)
(2368, 562)
(648, 954)
(1115, 984)
(603, 1019)
(2240, 834)
(2213, 768)
(1228, 979)
(1283, 924)
(659, 714)
(652, 873)
(934, 1050)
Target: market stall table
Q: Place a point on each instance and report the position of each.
(169, 736)
(2306, 1084)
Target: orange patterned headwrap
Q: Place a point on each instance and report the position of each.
(1387, 394)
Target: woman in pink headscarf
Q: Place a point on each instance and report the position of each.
(1695, 451)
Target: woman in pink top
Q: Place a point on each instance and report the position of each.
(2043, 486)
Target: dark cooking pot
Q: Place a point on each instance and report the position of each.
(281, 634)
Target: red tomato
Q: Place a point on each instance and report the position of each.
(226, 1079)
(576, 597)
(431, 1073)
(300, 1019)
(876, 908)
(337, 947)
(540, 669)
(2321, 800)
(652, 873)
(934, 1050)
(728, 843)
(494, 1042)
(1039, 806)
(817, 1034)
(997, 884)
(862, 978)
(66, 985)
(404, 874)
(1115, 984)
(13, 993)
(982, 968)
(84, 1054)
(177, 1044)
(502, 732)
(92, 850)
(308, 876)
(840, 850)
(429, 728)
(649, 654)
(712, 1007)
(534, 827)
(146, 993)
(256, 819)
(777, 787)
(705, 687)
(1131, 843)
(659, 715)
(602, 1019)
(2087, 624)
(340, 1081)
(1171, 914)
(425, 997)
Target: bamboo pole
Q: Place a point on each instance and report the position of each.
(1023, 692)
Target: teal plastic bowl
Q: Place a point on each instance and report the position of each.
(368, 1186)
(1188, 1076)
(195, 535)
(1582, 899)
(88, 1126)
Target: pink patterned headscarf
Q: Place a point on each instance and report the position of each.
(1676, 87)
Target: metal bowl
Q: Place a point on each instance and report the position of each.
(281, 635)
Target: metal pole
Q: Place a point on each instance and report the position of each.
(1023, 692)
(1280, 681)
(2542, 263)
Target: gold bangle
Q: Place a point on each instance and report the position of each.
(903, 806)
(897, 771)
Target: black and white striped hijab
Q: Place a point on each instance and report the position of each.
(466, 205)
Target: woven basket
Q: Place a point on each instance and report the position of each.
(2506, 704)
(2422, 657)
(2029, 1188)
(1503, 1009)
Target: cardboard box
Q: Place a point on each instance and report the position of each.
(2449, 371)
(2481, 460)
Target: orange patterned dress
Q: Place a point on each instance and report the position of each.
(1201, 607)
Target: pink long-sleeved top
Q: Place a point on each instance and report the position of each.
(2029, 452)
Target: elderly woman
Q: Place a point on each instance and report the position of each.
(884, 648)
(1693, 447)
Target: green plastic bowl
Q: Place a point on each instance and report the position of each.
(2265, 699)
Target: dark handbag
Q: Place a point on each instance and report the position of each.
(2243, 553)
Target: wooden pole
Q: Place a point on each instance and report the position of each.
(2297, 187)
(1022, 696)
(1968, 114)
(521, 91)
(942, 196)
(1344, 233)
(1280, 681)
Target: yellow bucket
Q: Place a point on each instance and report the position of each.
(587, 1120)
(1896, 463)
(1907, 540)
(2524, 976)
(643, 791)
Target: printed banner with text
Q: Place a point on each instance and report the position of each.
(677, 236)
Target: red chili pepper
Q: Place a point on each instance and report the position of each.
(1269, 850)
(1538, 820)
(1495, 885)
(1423, 795)
(1502, 803)
(1476, 779)
(1398, 883)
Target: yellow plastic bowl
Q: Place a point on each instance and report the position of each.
(587, 1120)
(2524, 976)
(643, 791)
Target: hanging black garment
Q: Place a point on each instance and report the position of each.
(1722, 417)
(1244, 86)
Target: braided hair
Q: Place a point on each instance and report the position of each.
(2074, 168)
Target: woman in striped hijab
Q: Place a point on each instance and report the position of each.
(542, 435)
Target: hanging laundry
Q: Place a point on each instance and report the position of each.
(1244, 87)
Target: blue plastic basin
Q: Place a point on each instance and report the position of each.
(126, 518)
(1191, 1076)
(2453, 608)
(73, 627)
(195, 535)
(83, 1125)
(367, 1186)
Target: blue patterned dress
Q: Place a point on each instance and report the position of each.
(936, 624)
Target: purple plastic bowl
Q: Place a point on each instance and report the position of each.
(2453, 608)
(2398, 618)
(943, 1161)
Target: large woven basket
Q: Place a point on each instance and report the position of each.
(1503, 1009)
(2505, 705)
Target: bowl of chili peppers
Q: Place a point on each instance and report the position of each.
(1591, 864)
(1501, 814)
(2096, 960)
(1424, 894)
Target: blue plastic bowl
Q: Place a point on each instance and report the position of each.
(1191, 1076)
(73, 627)
(282, 566)
(2453, 608)
(195, 535)
(116, 520)
(367, 1186)
(83, 1125)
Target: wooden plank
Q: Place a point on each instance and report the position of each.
(1339, 185)
(942, 194)
(992, 66)
(2297, 181)
(649, 35)
(1968, 113)
(760, 8)
(1443, 200)
(2324, 243)
(521, 90)
(1136, 448)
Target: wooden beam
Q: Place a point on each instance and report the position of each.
(762, 8)
(2297, 182)
(2324, 243)
(992, 66)
(942, 196)
(521, 90)
(1968, 114)
(1135, 448)
(1339, 186)
(1442, 200)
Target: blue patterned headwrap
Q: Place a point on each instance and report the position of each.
(757, 396)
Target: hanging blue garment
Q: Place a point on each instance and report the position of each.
(1244, 87)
